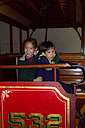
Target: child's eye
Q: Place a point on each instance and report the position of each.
(31, 48)
(48, 51)
(53, 51)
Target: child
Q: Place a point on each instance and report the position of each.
(29, 57)
(49, 56)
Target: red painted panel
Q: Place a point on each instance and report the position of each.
(34, 104)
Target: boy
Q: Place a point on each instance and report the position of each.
(29, 57)
(49, 56)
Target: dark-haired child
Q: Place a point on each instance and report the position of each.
(49, 56)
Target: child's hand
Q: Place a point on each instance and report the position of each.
(38, 79)
(66, 65)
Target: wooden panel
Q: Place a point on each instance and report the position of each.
(73, 57)
(76, 72)
(80, 110)
(71, 75)
(54, 107)
(7, 74)
(71, 79)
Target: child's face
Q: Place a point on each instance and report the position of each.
(29, 49)
(50, 54)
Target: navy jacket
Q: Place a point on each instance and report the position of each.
(47, 73)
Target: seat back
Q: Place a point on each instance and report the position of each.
(7, 74)
(72, 75)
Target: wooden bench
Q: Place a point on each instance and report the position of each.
(66, 75)
(73, 57)
(7, 74)
(71, 75)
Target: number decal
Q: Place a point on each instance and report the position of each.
(54, 121)
(37, 120)
(16, 120)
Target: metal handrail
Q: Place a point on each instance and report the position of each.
(54, 66)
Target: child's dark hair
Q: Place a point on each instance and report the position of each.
(32, 40)
(46, 45)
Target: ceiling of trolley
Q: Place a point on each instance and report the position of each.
(49, 13)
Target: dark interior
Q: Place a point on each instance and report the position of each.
(47, 13)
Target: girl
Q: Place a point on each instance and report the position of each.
(29, 57)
